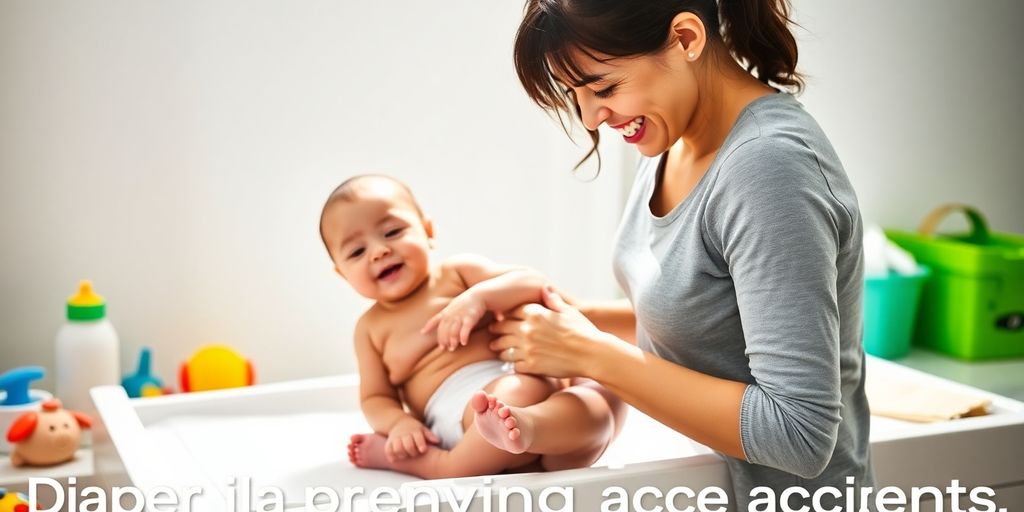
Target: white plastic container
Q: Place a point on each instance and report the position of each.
(88, 351)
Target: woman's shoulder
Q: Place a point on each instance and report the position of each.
(778, 155)
(777, 146)
(775, 133)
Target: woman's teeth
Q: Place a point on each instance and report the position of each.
(630, 129)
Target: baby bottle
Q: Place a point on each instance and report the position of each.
(88, 354)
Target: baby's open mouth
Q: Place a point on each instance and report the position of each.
(389, 271)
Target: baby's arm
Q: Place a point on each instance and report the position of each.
(489, 287)
(382, 405)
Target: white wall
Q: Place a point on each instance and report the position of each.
(922, 100)
(177, 153)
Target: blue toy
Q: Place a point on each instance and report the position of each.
(15, 383)
(142, 383)
(16, 399)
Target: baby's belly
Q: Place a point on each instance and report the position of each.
(440, 364)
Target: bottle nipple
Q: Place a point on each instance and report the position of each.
(85, 296)
(86, 304)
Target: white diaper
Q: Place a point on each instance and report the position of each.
(445, 408)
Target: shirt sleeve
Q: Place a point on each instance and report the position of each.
(776, 224)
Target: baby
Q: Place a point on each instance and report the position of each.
(421, 391)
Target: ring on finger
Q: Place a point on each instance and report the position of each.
(510, 353)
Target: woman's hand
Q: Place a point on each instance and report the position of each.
(554, 339)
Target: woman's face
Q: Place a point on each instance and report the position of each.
(649, 100)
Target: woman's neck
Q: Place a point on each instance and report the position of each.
(726, 90)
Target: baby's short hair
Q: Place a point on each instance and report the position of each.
(347, 191)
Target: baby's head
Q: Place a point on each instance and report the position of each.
(377, 237)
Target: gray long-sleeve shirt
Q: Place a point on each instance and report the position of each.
(757, 277)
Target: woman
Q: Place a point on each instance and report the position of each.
(739, 248)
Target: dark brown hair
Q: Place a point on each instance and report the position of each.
(755, 32)
(347, 191)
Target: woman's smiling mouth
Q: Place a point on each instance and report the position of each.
(632, 131)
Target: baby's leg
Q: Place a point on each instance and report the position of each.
(473, 455)
(515, 390)
(571, 429)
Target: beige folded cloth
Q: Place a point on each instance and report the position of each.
(906, 400)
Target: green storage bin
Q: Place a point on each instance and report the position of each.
(973, 305)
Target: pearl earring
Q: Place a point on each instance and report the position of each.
(692, 55)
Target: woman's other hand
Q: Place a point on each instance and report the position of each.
(552, 339)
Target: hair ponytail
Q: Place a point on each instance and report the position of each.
(757, 34)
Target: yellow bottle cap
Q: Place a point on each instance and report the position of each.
(86, 304)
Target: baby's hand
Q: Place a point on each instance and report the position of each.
(456, 320)
(408, 439)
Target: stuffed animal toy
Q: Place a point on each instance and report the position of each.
(47, 437)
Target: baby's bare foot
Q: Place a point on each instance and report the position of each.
(367, 451)
(506, 427)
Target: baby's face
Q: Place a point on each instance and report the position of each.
(379, 243)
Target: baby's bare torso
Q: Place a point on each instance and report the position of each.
(414, 362)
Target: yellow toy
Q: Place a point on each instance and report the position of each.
(216, 367)
(13, 501)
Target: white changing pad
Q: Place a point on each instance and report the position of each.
(293, 436)
(299, 451)
(288, 452)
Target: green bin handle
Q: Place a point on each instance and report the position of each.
(979, 227)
